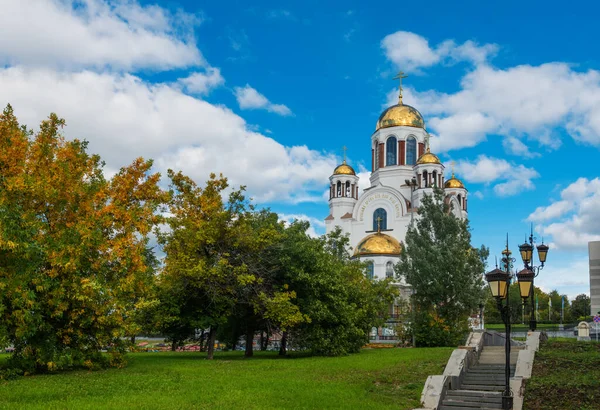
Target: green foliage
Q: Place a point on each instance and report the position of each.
(333, 291)
(72, 245)
(445, 271)
(580, 306)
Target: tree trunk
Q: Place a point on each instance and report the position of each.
(202, 341)
(264, 340)
(174, 345)
(133, 340)
(249, 339)
(211, 343)
(283, 347)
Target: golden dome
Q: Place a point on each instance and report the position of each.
(344, 169)
(378, 244)
(400, 114)
(428, 158)
(454, 183)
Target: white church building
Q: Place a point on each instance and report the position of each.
(403, 171)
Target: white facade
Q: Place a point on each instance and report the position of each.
(403, 171)
(594, 252)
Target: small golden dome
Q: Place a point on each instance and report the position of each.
(398, 115)
(344, 169)
(428, 158)
(378, 244)
(454, 183)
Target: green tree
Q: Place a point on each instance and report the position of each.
(445, 271)
(332, 290)
(72, 246)
(580, 306)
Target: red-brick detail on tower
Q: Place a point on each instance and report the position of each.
(402, 152)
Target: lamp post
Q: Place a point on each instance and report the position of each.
(499, 282)
(526, 276)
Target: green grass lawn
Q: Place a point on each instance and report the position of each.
(373, 379)
(566, 375)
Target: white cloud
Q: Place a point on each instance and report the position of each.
(317, 226)
(203, 83)
(575, 219)
(568, 276)
(96, 34)
(124, 117)
(552, 211)
(250, 99)
(515, 146)
(522, 101)
(509, 178)
(410, 51)
(516, 102)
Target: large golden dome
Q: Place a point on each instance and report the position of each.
(428, 158)
(454, 183)
(378, 244)
(344, 169)
(398, 115)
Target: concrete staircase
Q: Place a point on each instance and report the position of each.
(483, 383)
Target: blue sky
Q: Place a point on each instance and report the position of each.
(269, 92)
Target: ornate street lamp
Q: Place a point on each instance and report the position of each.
(499, 282)
(530, 272)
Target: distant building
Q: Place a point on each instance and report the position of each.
(594, 251)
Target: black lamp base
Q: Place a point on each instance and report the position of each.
(507, 402)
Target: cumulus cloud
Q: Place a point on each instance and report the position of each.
(508, 178)
(410, 51)
(124, 117)
(202, 82)
(119, 34)
(574, 220)
(520, 103)
(250, 99)
(515, 146)
(317, 226)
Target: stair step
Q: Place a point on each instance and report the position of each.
(483, 387)
(484, 382)
(474, 393)
(475, 399)
(470, 405)
(459, 407)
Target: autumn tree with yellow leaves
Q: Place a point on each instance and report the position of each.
(72, 246)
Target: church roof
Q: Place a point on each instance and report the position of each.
(378, 244)
(454, 183)
(428, 158)
(344, 169)
(400, 115)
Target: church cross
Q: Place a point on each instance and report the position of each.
(453, 163)
(344, 148)
(400, 76)
(427, 141)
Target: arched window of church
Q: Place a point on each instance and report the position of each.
(380, 217)
(391, 149)
(425, 180)
(434, 177)
(389, 270)
(370, 270)
(411, 151)
(339, 189)
(347, 188)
